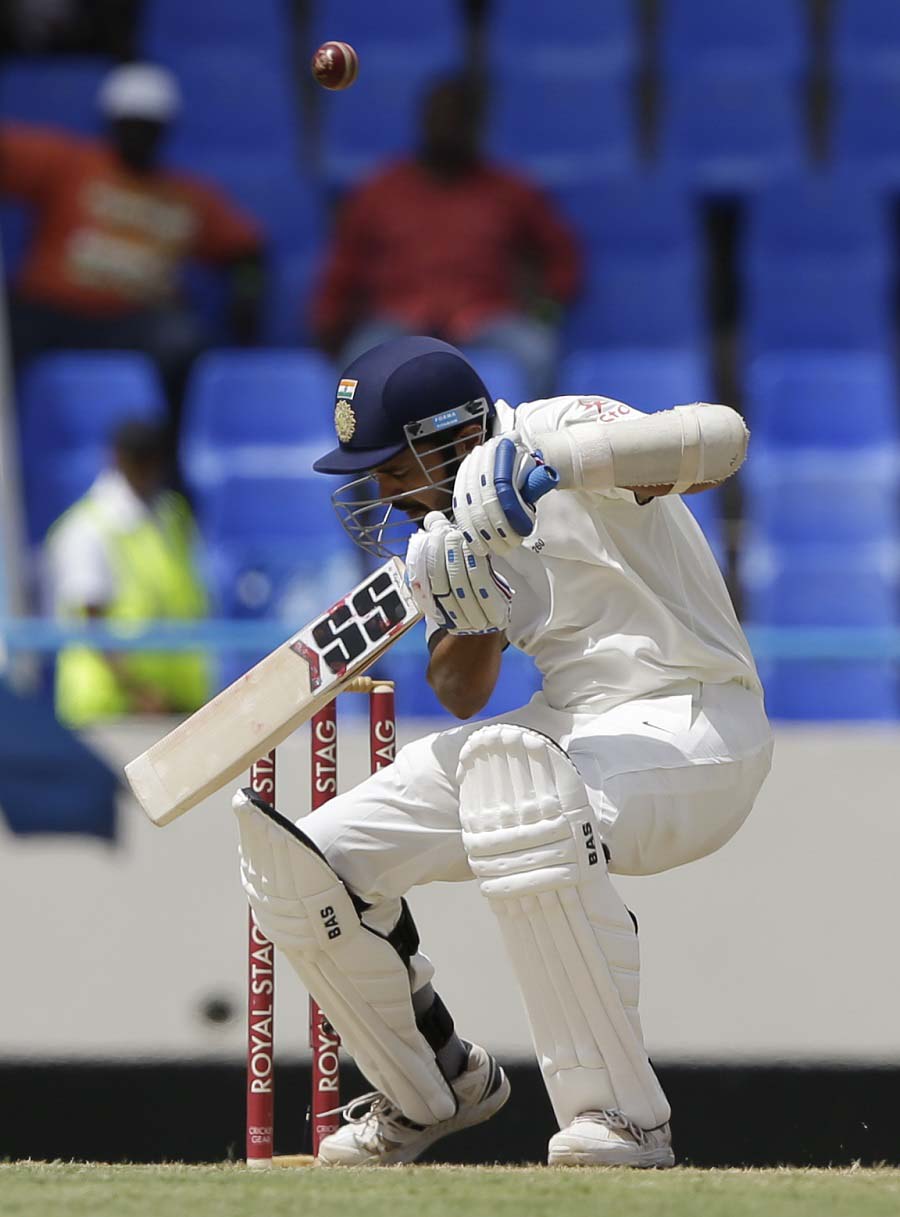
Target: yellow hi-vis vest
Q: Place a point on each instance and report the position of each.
(155, 579)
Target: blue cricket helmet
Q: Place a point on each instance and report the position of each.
(399, 382)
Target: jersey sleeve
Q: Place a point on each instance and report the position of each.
(79, 568)
(31, 160)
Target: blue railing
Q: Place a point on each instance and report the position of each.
(43, 636)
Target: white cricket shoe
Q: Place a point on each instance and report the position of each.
(608, 1138)
(378, 1134)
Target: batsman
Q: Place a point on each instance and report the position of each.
(644, 750)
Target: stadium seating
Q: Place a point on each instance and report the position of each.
(640, 213)
(53, 91)
(866, 134)
(824, 588)
(395, 37)
(70, 404)
(256, 413)
(825, 450)
(639, 300)
(561, 134)
(865, 36)
(811, 304)
(811, 499)
(217, 119)
(734, 35)
(289, 209)
(646, 378)
(574, 38)
(15, 229)
(822, 399)
(730, 133)
(275, 550)
(501, 373)
(359, 134)
(167, 25)
(821, 215)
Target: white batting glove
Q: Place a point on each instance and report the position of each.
(451, 584)
(487, 501)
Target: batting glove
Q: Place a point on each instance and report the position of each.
(453, 585)
(487, 501)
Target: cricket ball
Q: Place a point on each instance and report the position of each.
(335, 65)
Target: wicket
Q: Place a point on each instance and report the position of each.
(324, 1041)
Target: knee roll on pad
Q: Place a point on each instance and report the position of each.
(355, 974)
(533, 844)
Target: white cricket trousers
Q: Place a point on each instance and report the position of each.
(671, 778)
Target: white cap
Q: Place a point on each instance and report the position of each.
(140, 90)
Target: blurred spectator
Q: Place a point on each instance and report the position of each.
(67, 26)
(448, 244)
(124, 553)
(113, 230)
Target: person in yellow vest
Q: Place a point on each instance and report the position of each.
(124, 554)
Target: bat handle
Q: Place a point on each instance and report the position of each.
(540, 481)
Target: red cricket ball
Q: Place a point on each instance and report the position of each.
(335, 65)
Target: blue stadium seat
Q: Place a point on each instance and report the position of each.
(53, 91)
(167, 25)
(501, 373)
(734, 35)
(813, 498)
(363, 128)
(820, 215)
(406, 663)
(256, 413)
(645, 212)
(639, 300)
(236, 103)
(576, 38)
(865, 36)
(706, 508)
(289, 289)
(559, 133)
(15, 231)
(290, 211)
(729, 133)
(274, 550)
(646, 378)
(814, 304)
(392, 37)
(866, 134)
(70, 403)
(822, 399)
(275, 191)
(829, 587)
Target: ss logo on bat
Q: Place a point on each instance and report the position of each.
(357, 624)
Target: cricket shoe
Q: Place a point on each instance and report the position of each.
(608, 1138)
(377, 1133)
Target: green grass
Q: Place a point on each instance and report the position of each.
(31, 1189)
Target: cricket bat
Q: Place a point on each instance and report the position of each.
(223, 738)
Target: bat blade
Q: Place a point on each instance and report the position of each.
(286, 688)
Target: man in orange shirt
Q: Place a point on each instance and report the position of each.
(449, 245)
(112, 231)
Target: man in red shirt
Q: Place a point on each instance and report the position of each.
(112, 231)
(447, 244)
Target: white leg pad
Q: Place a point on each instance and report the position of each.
(533, 845)
(354, 973)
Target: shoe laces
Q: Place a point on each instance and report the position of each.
(376, 1114)
(613, 1118)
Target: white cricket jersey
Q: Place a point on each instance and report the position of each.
(615, 600)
